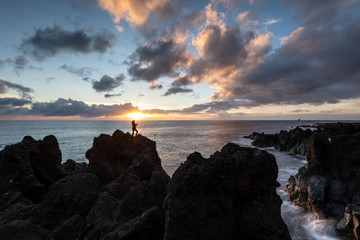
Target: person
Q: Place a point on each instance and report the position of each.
(134, 124)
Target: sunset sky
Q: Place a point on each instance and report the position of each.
(169, 59)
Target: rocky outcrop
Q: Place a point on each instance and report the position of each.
(231, 195)
(121, 193)
(134, 186)
(294, 141)
(118, 196)
(329, 183)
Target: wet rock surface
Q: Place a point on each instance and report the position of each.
(124, 193)
(329, 184)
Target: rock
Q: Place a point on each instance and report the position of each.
(101, 218)
(329, 183)
(231, 195)
(17, 174)
(356, 221)
(147, 226)
(72, 228)
(72, 195)
(121, 193)
(112, 156)
(21, 230)
(72, 167)
(295, 141)
(45, 159)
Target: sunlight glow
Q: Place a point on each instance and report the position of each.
(136, 115)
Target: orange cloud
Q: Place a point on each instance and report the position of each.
(134, 11)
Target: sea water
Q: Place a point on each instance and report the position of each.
(175, 140)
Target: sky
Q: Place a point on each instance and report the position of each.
(180, 59)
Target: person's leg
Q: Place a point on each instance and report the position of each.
(136, 132)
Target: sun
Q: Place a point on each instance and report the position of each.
(136, 115)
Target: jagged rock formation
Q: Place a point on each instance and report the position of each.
(329, 184)
(294, 141)
(121, 193)
(231, 195)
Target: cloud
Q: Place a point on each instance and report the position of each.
(300, 110)
(48, 42)
(13, 102)
(151, 61)
(19, 64)
(180, 81)
(225, 52)
(107, 84)
(119, 28)
(317, 12)
(49, 79)
(135, 11)
(81, 72)
(313, 65)
(271, 21)
(69, 107)
(22, 91)
(155, 85)
(175, 90)
(112, 95)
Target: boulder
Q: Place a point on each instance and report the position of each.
(72, 195)
(17, 174)
(231, 195)
(45, 159)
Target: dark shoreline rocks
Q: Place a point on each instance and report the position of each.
(124, 193)
(329, 184)
(231, 195)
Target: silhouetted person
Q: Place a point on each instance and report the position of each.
(134, 124)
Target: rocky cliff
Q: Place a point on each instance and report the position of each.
(329, 184)
(124, 193)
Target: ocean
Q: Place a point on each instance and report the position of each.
(175, 140)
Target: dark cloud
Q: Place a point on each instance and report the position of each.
(20, 63)
(300, 110)
(175, 90)
(82, 72)
(48, 42)
(317, 12)
(112, 95)
(69, 107)
(155, 85)
(107, 84)
(181, 81)
(13, 102)
(314, 65)
(23, 91)
(221, 49)
(151, 61)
